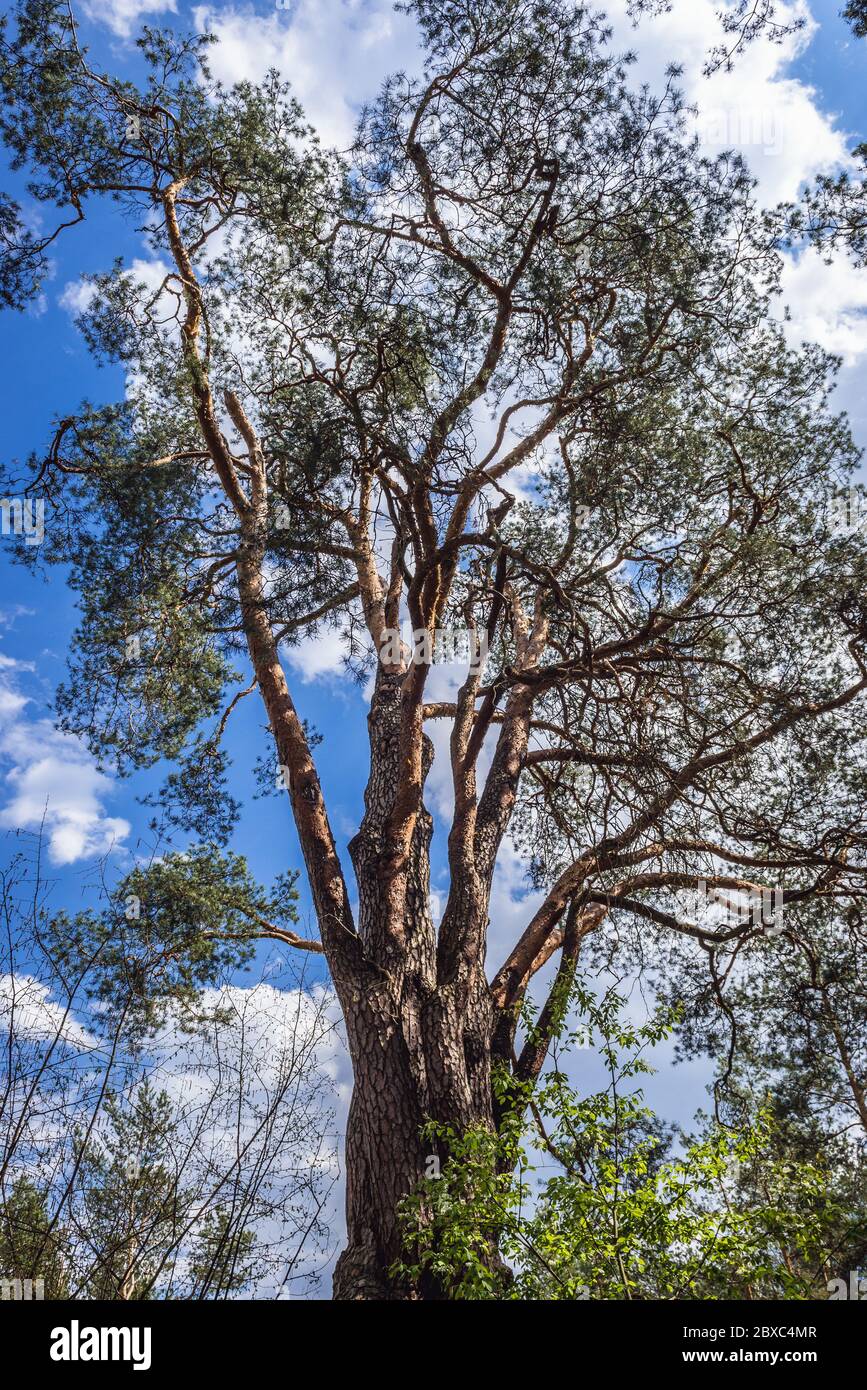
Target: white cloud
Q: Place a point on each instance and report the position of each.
(758, 109)
(123, 16)
(11, 663)
(266, 1019)
(781, 127)
(335, 53)
(828, 304)
(232, 1074)
(11, 703)
(260, 1096)
(37, 1017)
(318, 657)
(77, 296)
(52, 783)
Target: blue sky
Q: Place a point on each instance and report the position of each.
(794, 110)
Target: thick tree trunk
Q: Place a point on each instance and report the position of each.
(413, 1060)
(384, 1152)
(419, 1037)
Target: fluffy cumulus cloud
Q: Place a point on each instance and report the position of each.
(273, 1025)
(274, 1039)
(77, 296)
(124, 16)
(758, 109)
(37, 1017)
(258, 1096)
(784, 129)
(827, 304)
(320, 656)
(335, 53)
(48, 780)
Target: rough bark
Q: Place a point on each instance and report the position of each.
(420, 1046)
(409, 1061)
(423, 1025)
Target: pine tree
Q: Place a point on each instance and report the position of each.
(511, 370)
(31, 1246)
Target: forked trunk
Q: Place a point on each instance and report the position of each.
(418, 1030)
